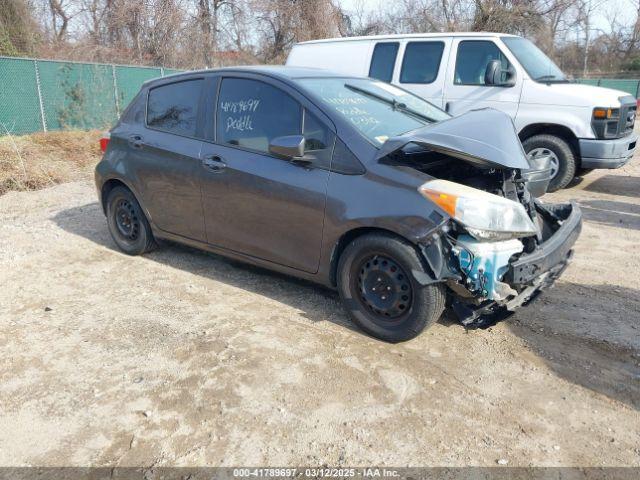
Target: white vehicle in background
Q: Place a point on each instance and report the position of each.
(580, 127)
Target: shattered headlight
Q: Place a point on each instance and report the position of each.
(484, 215)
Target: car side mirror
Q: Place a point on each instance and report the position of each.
(290, 147)
(494, 73)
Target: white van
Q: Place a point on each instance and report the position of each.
(581, 127)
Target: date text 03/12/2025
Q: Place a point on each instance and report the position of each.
(370, 472)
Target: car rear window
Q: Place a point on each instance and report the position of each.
(134, 113)
(173, 108)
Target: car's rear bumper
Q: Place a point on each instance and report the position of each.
(607, 153)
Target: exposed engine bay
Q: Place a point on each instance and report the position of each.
(498, 245)
(479, 271)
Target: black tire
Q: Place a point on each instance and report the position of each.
(407, 311)
(563, 152)
(128, 224)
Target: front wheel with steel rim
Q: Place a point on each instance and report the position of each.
(379, 292)
(561, 155)
(127, 223)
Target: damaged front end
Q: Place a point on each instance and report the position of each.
(497, 246)
(490, 280)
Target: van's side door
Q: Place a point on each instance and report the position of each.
(465, 87)
(256, 203)
(422, 68)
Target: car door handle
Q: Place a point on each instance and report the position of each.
(447, 107)
(136, 141)
(214, 163)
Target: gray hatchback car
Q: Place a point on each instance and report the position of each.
(348, 182)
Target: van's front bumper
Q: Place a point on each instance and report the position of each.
(607, 153)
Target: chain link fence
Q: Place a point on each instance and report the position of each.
(629, 85)
(41, 95)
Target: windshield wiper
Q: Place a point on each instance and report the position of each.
(392, 102)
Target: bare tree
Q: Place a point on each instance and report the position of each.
(61, 14)
(19, 31)
(585, 13)
(199, 33)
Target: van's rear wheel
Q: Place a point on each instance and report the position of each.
(379, 292)
(563, 161)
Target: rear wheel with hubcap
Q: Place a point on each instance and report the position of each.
(379, 291)
(560, 153)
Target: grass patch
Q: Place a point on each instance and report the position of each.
(39, 160)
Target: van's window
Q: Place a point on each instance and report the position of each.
(539, 67)
(472, 60)
(251, 113)
(383, 61)
(378, 110)
(174, 107)
(421, 62)
(318, 140)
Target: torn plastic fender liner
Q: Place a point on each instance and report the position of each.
(484, 137)
(433, 252)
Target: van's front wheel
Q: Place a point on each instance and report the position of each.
(379, 292)
(563, 160)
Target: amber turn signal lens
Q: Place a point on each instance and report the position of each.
(445, 201)
(601, 113)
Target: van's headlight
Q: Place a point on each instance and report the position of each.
(484, 215)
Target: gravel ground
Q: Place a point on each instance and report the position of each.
(184, 358)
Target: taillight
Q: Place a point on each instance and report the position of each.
(104, 141)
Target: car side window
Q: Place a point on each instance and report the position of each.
(421, 62)
(173, 108)
(472, 60)
(251, 113)
(383, 60)
(344, 161)
(318, 140)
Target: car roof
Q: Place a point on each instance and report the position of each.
(400, 36)
(278, 71)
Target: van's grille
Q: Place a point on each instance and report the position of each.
(627, 115)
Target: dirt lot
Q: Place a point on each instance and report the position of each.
(184, 358)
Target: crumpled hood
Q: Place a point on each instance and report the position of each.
(484, 137)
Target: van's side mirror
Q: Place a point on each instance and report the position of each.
(493, 75)
(290, 147)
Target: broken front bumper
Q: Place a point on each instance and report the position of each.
(554, 253)
(531, 272)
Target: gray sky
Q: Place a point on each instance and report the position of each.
(623, 10)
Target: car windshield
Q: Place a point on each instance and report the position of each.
(375, 108)
(539, 67)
